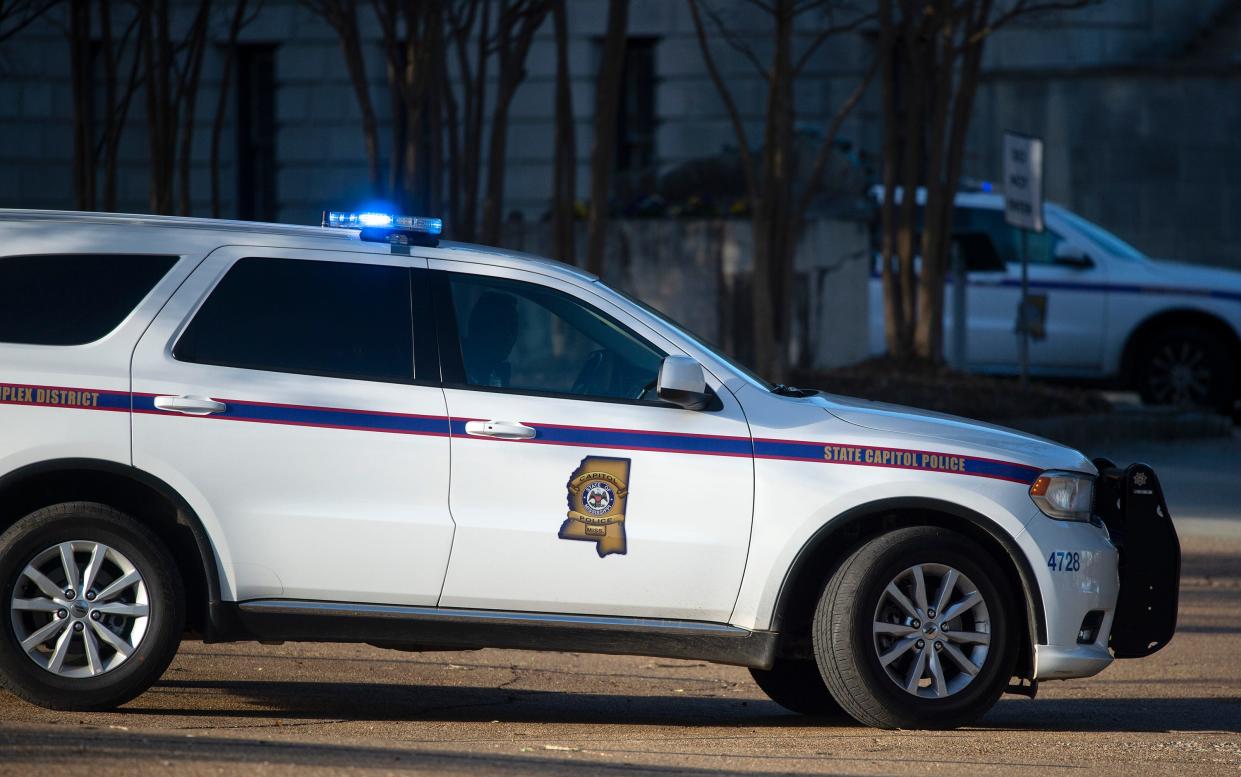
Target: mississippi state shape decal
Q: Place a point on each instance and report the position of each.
(598, 490)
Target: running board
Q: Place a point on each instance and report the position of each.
(435, 628)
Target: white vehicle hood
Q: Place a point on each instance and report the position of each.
(911, 422)
(1215, 281)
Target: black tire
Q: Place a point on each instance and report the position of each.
(75, 521)
(846, 647)
(797, 686)
(1189, 367)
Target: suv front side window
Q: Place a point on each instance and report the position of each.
(523, 337)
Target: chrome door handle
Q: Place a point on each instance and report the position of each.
(190, 405)
(504, 430)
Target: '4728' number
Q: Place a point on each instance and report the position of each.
(1064, 561)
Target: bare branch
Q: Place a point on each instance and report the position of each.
(826, 33)
(17, 16)
(738, 45)
(734, 115)
(759, 4)
(829, 140)
(1021, 8)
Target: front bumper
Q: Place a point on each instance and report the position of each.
(1116, 595)
(1131, 504)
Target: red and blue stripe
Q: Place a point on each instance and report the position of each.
(558, 434)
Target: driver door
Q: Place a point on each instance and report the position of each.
(574, 490)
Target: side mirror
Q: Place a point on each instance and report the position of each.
(1068, 255)
(682, 382)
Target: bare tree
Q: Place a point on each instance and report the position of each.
(240, 19)
(342, 16)
(98, 129)
(777, 204)
(518, 21)
(17, 15)
(172, 65)
(603, 144)
(932, 53)
(564, 174)
(474, 43)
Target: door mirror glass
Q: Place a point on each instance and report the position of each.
(1069, 255)
(682, 382)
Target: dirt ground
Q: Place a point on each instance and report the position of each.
(314, 708)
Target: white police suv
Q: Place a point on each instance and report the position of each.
(1168, 330)
(356, 433)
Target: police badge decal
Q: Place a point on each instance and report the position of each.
(598, 491)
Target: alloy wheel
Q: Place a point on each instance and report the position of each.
(79, 609)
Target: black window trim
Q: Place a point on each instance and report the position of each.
(452, 370)
(415, 361)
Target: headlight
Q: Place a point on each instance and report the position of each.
(1065, 496)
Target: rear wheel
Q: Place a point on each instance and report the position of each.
(1186, 366)
(914, 631)
(797, 685)
(94, 607)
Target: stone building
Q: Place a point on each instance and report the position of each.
(1139, 102)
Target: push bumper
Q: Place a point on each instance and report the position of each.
(1118, 599)
(1130, 502)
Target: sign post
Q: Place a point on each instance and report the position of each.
(1023, 209)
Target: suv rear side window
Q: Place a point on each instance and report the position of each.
(72, 299)
(334, 319)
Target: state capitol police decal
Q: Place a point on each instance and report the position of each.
(598, 491)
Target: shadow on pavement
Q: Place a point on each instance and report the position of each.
(392, 702)
(43, 748)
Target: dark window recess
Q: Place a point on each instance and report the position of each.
(524, 337)
(256, 132)
(315, 318)
(72, 299)
(635, 117)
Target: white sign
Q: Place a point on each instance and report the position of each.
(1023, 181)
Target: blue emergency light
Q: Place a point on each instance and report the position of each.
(381, 227)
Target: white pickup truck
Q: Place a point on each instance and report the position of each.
(1167, 330)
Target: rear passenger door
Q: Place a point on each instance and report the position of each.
(285, 395)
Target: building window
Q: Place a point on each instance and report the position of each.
(256, 132)
(635, 130)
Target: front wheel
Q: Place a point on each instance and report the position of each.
(94, 608)
(915, 631)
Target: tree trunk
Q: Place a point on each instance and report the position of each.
(187, 104)
(221, 109)
(893, 309)
(603, 148)
(564, 176)
(82, 70)
(775, 221)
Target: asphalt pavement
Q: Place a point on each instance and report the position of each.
(318, 709)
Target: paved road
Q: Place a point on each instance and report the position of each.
(310, 709)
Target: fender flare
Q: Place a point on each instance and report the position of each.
(843, 522)
(218, 621)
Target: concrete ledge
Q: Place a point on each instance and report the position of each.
(1087, 432)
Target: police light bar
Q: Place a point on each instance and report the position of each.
(387, 227)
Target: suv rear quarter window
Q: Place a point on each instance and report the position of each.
(73, 299)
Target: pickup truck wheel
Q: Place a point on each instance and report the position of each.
(1186, 366)
(797, 685)
(94, 607)
(913, 631)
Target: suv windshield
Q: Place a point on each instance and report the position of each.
(695, 339)
(1098, 234)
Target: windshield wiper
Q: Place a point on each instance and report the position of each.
(786, 390)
